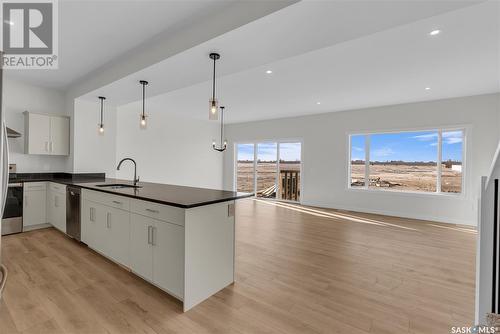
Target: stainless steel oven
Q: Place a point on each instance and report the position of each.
(12, 220)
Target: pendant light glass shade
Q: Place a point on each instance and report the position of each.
(100, 126)
(143, 116)
(213, 104)
(142, 122)
(223, 144)
(213, 107)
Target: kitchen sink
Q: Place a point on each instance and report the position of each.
(117, 186)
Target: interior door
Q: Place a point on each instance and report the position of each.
(59, 135)
(141, 248)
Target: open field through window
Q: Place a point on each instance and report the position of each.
(270, 169)
(427, 161)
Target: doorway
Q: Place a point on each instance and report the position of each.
(270, 169)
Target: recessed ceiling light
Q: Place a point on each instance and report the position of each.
(318, 103)
(427, 88)
(269, 71)
(435, 32)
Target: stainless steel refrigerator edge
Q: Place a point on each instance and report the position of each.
(4, 170)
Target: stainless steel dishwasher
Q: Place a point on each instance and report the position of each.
(73, 228)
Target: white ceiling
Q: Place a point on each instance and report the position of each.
(93, 33)
(344, 54)
(379, 67)
(294, 30)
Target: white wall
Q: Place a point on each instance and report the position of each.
(19, 97)
(325, 158)
(172, 150)
(93, 152)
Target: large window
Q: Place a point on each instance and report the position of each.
(269, 169)
(245, 168)
(419, 161)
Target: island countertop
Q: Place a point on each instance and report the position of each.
(175, 195)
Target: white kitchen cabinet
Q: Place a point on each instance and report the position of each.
(106, 230)
(56, 206)
(36, 133)
(141, 247)
(117, 235)
(92, 224)
(188, 253)
(59, 135)
(46, 134)
(168, 257)
(157, 252)
(34, 204)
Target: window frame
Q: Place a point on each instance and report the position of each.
(255, 143)
(466, 129)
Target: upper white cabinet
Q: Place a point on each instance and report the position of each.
(46, 134)
(59, 135)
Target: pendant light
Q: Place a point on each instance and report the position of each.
(223, 145)
(143, 115)
(100, 128)
(213, 104)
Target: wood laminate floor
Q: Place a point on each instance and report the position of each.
(298, 270)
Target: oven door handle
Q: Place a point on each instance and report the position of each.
(5, 167)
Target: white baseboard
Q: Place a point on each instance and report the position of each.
(422, 216)
(35, 227)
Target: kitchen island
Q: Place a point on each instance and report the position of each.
(181, 239)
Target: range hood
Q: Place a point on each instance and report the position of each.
(12, 133)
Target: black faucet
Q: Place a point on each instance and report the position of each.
(136, 178)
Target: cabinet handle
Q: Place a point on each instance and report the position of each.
(51, 146)
(46, 146)
(108, 220)
(150, 234)
(152, 210)
(92, 214)
(118, 202)
(153, 236)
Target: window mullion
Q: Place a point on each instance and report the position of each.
(255, 169)
(439, 160)
(367, 161)
(278, 171)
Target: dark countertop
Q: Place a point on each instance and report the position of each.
(174, 195)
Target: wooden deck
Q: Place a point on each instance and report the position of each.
(298, 270)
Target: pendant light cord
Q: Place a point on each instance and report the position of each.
(143, 98)
(213, 83)
(102, 101)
